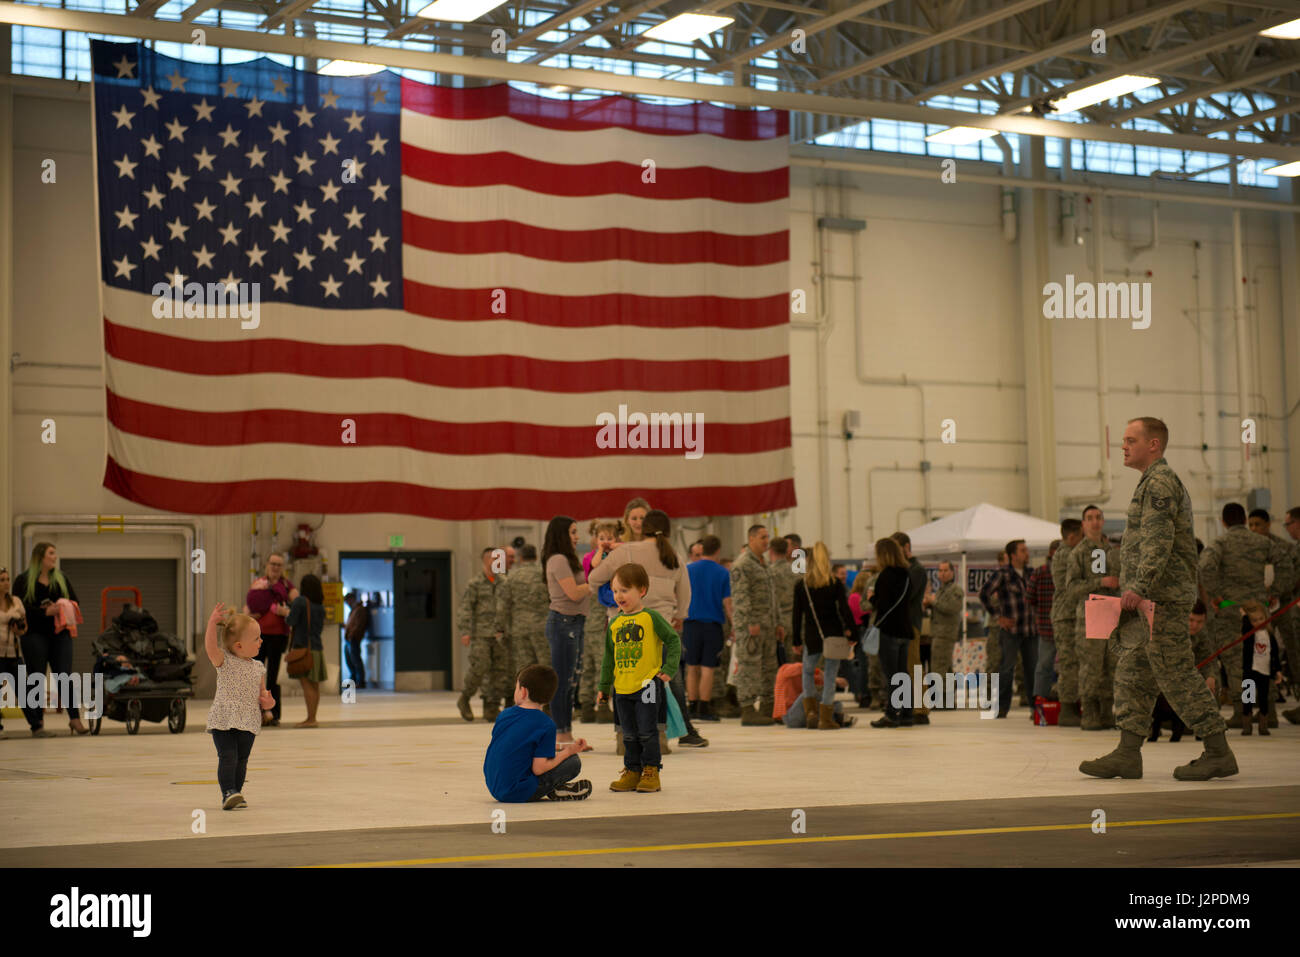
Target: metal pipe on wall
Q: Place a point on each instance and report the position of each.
(1243, 341)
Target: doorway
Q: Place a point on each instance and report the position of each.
(408, 646)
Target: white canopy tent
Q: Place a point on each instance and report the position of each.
(981, 530)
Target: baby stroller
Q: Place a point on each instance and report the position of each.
(146, 673)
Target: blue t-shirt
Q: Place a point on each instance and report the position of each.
(710, 583)
(518, 736)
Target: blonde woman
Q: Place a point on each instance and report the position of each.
(891, 617)
(633, 515)
(821, 612)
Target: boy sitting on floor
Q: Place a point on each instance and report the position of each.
(521, 764)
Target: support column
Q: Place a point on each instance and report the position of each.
(1036, 335)
(6, 314)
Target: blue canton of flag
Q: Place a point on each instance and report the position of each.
(251, 173)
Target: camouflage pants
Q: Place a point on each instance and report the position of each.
(1225, 627)
(593, 656)
(876, 680)
(1164, 664)
(1289, 639)
(1067, 660)
(757, 677)
(1096, 670)
(487, 670)
(941, 655)
(529, 649)
(720, 674)
(993, 649)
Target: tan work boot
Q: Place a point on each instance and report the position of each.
(649, 780)
(1263, 724)
(1235, 721)
(749, 715)
(1247, 725)
(809, 713)
(1124, 762)
(1091, 715)
(1069, 715)
(627, 781)
(1216, 761)
(826, 716)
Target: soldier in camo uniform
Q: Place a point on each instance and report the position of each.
(1291, 620)
(1284, 627)
(1067, 657)
(946, 608)
(522, 602)
(1093, 569)
(785, 580)
(477, 626)
(1232, 569)
(756, 632)
(1158, 564)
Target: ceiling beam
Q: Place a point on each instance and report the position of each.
(810, 28)
(496, 68)
(1157, 106)
(285, 13)
(578, 39)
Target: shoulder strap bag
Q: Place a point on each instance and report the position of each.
(871, 643)
(837, 647)
(298, 661)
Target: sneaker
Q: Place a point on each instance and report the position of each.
(692, 740)
(231, 801)
(571, 791)
(242, 802)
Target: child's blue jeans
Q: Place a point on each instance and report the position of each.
(637, 715)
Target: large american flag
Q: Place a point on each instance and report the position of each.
(454, 285)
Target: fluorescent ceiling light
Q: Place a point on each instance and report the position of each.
(961, 135)
(1283, 31)
(458, 11)
(687, 27)
(349, 68)
(1100, 92)
(1286, 169)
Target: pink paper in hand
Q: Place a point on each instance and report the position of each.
(1101, 615)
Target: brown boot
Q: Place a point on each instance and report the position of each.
(810, 713)
(826, 714)
(663, 743)
(1263, 724)
(1069, 716)
(1236, 720)
(751, 716)
(627, 781)
(1247, 724)
(1091, 715)
(1108, 713)
(649, 782)
(603, 713)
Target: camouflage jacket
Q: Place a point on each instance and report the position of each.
(753, 595)
(1061, 610)
(945, 613)
(1232, 566)
(522, 601)
(784, 581)
(1158, 553)
(1080, 579)
(477, 615)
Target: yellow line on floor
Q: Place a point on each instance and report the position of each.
(968, 832)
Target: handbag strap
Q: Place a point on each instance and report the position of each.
(906, 585)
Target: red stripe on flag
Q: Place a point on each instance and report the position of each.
(324, 361)
(339, 498)
(593, 245)
(191, 427)
(593, 179)
(584, 312)
(685, 119)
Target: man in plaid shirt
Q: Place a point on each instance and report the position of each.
(1041, 592)
(1006, 596)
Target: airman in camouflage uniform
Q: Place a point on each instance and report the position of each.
(945, 623)
(476, 621)
(1063, 630)
(754, 615)
(1091, 561)
(522, 601)
(1291, 620)
(593, 656)
(1232, 569)
(1284, 628)
(785, 580)
(1158, 563)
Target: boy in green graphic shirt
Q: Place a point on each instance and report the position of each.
(641, 656)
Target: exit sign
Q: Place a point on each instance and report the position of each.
(396, 541)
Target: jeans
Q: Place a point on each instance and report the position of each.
(233, 748)
(795, 718)
(562, 773)
(893, 660)
(40, 651)
(1045, 674)
(1010, 644)
(356, 664)
(564, 635)
(639, 720)
(272, 650)
(830, 668)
